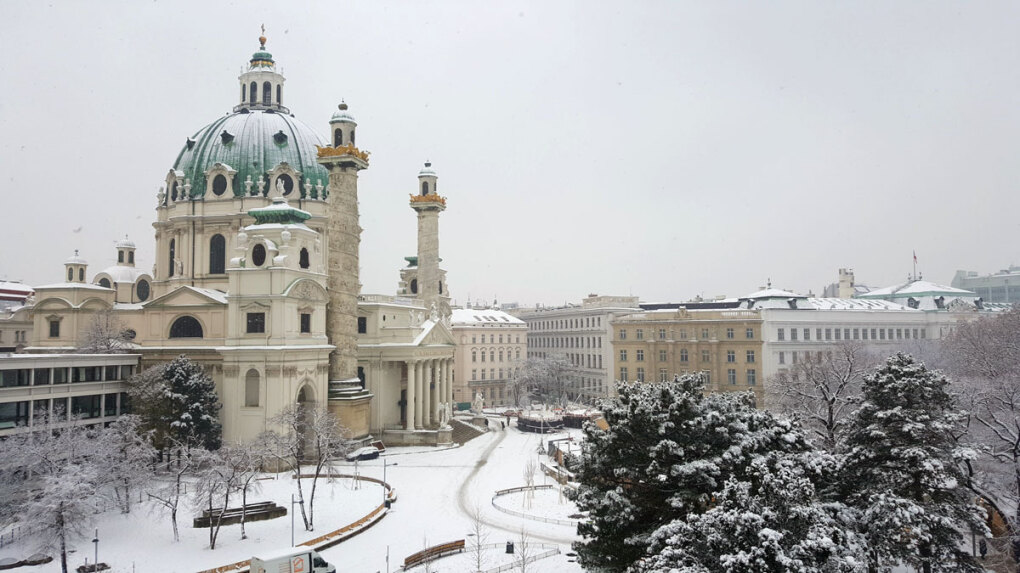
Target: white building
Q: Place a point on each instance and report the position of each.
(582, 334)
(491, 345)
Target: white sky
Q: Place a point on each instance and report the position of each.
(661, 149)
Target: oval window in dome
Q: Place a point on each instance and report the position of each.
(219, 185)
(258, 255)
(142, 290)
(285, 184)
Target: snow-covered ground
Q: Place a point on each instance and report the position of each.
(438, 494)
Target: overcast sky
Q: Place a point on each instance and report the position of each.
(660, 149)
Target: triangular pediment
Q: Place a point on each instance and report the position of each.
(188, 296)
(434, 333)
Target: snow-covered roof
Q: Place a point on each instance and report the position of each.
(916, 289)
(853, 304)
(123, 274)
(218, 296)
(15, 288)
(71, 285)
(76, 260)
(772, 293)
(482, 316)
(125, 243)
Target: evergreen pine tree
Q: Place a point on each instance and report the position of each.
(668, 453)
(178, 401)
(902, 470)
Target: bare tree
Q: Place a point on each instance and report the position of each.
(128, 455)
(217, 480)
(247, 459)
(523, 550)
(552, 380)
(529, 481)
(479, 535)
(310, 435)
(820, 389)
(61, 508)
(169, 494)
(105, 335)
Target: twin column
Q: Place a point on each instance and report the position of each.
(422, 402)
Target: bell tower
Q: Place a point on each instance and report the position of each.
(432, 289)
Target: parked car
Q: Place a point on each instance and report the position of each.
(366, 453)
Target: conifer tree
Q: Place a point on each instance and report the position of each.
(178, 401)
(902, 470)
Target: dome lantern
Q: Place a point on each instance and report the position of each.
(343, 126)
(261, 84)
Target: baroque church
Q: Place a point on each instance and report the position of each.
(256, 277)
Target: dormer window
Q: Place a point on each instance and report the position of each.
(280, 137)
(226, 136)
(104, 282)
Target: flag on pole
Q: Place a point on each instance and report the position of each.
(915, 257)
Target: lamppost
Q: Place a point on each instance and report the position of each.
(384, 479)
(292, 504)
(95, 556)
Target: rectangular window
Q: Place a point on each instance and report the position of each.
(881, 334)
(87, 406)
(705, 356)
(86, 374)
(707, 377)
(13, 414)
(873, 334)
(704, 334)
(924, 333)
(731, 356)
(306, 323)
(857, 333)
(662, 374)
(846, 334)
(731, 376)
(109, 404)
(807, 334)
(864, 334)
(662, 334)
(483, 373)
(640, 334)
(111, 373)
(40, 408)
(915, 334)
(623, 356)
(729, 333)
(749, 333)
(125, 403)
(42, 377)
(623, 374)
(126, 371)
(640, 355)
(752, 378)
(828, 334)
(793, 334)
(662, 356)
(54, 329)
(256, 323)
(60, 376)
(640, 374)
(683, 355)
(750, 357)
(838, 334)
(474, 375)
(682, 334)
(473, 339)
(19, 377)
(818, 334)
(899, 334)
(782, 358)
(623, 335)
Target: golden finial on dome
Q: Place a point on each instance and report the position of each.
(262, 38)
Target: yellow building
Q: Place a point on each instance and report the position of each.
(725, 345)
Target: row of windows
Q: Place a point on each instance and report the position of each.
(63, 375)
(684, 356)
(568, 342)
(560, 324)
(853, 334)
(19, 336)
(267, 93)
(750, 375)
(585, 360)
(13, 414)
(639, 334)
(493, 354)
(510, 373)
(218, 255)
(492, 339)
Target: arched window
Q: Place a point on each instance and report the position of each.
(217, 255)
(424, 187)
(244, 88)
(81, 274)
(258, 255)
(173, 253)
(219, 184)
(440, 287)
(173, 191)
(352, 137)
(70, 274)
(120, 256)
(267, 93)
(186, 327)
(303, 259)
(278, 93)
(253, 93)
(251, 389)
(104, 282)
(338, 137)
(142, 290)
(414, 286)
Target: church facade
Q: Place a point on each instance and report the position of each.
(257, 241)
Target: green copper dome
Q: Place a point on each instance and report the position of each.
(252, 142)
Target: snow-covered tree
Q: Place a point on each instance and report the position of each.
(217, 479)
(667, 451)
(311, 435)
(819, 390)
(552, 380)
(105, 335)
(773, 521)
(248, 460)
(183, 461)
(902, 470)
(127, 455)
(178, 401)
(62, 507)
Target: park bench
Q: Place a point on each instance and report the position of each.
(433, 552)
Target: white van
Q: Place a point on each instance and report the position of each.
(291, 560)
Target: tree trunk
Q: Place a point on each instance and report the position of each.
(244, 510)
(63, 537)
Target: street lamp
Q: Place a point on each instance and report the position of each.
(95, 540)
(292, 504)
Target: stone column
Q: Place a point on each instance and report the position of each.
(427, 402)
(344, 240)
(420, 393)
(449, 381)
(409, 406)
